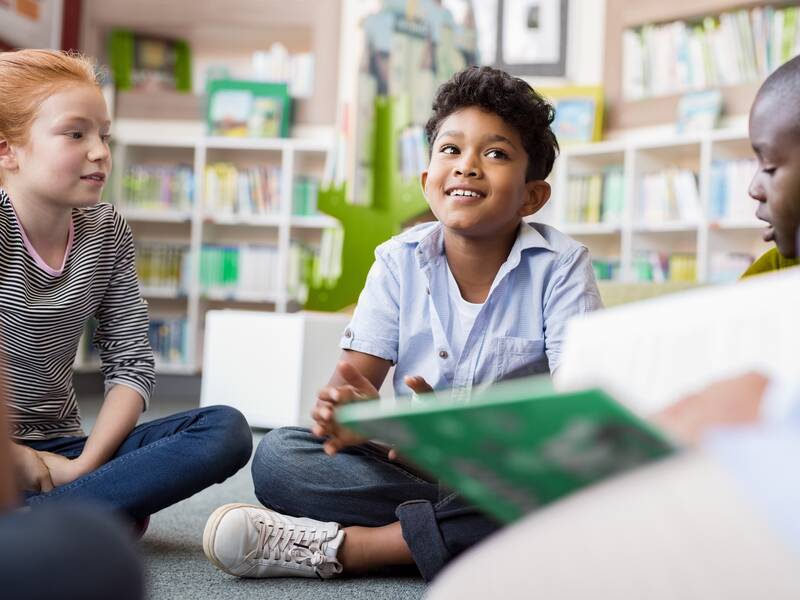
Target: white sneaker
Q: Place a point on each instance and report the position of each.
(253, 541)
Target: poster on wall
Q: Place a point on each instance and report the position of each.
(31, 23)
(523, 37)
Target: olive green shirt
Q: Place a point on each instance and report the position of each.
(771, 260)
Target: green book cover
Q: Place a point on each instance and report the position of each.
(515, 446)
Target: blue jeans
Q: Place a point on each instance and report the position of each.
(67, 552)
(361, 486)
(159, 463)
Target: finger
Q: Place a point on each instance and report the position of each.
(46, 482)
(353, 377)
(418, 384)
(393, 454)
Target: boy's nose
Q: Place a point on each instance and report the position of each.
(756, 190)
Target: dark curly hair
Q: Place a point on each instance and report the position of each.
(511, 99)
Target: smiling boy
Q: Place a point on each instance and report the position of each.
(477, 297)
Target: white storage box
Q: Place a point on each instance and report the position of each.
(269, 365)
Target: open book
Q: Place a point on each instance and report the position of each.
(514, 446)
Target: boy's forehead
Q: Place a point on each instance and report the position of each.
(477, 122)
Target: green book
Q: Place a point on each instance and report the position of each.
(515, 446)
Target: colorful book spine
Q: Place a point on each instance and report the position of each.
(163, 267)
(730, 180)
(668, 196)
(660, 267)
(596, 197)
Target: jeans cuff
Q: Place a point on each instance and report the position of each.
(421, 534)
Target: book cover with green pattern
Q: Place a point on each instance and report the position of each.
(515, 446)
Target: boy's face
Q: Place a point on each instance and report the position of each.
(66, 159)
(475, 182)
(776, 185)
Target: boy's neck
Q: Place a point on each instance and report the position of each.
(475, 262)
(46, 226)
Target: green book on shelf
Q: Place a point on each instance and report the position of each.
(514, 446)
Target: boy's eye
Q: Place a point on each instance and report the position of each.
(769, 170)
(448, 149)
(75, 135)
(495, 153)
(106, 137)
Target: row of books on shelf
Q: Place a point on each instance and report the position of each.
(242, 191)
(163, 266)
(251, 271)
(658, 267)
(158, 187)
(304, 199)
(730, 180)
(669, 196)
(595, 198)
(661, 266)
(167, 335)
(736, 47)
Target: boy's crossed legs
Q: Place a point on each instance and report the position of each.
(391, 515)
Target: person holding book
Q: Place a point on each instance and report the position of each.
(67, 258)
(477, 297)
(717, 521)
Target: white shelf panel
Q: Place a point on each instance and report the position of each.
(254, 297)
(665, 227)
(737, 224)
(251, 220)
(162, 293)
(266, 144)
(155, 216)
(591, 229)
(314, 221)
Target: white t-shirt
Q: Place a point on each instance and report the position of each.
(464, 312)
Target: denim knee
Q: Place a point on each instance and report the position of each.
(276, 468)
(232, 440)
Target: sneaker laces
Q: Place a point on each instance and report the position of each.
(301, 545)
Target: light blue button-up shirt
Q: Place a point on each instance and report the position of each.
(404, 314)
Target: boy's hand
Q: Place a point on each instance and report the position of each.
(31, 472)
(728, 402)
(356, 387)
(62, 469)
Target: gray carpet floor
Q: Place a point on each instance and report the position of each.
(176, 567)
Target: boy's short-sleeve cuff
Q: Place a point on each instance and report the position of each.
(350, 341)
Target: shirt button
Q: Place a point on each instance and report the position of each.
(348, 333)
(442, 353)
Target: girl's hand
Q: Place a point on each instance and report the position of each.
(63, 470)
(31, 472)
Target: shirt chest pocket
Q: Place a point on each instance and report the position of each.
(520, 357)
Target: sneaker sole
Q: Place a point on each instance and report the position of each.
(210, 532)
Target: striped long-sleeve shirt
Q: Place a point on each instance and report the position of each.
(43, 312)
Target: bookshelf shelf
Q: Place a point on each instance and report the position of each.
(248, 220)
(163, 293)
(720, 238)
(591, 229)
(313, 222)
(245, 297)
(156, 216)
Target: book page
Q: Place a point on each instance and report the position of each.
(652, 353)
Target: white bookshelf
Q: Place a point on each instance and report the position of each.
(621, 241)
(148, 143)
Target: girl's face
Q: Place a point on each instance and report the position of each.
(66, 159)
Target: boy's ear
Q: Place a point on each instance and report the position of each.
(423, 179)
(8, 158)
(538, 195)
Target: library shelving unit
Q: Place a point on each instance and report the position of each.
(193, 227)
(709, 237)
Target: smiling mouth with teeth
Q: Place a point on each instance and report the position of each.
(465, 193)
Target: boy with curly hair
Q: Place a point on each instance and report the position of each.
(477, 297)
